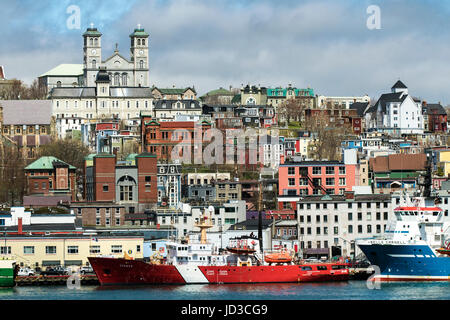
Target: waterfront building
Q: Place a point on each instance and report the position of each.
(131, 183)
(334, 222)
(50, 177)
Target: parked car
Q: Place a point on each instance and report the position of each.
(26, 272)
(86, 269)
(55, 271)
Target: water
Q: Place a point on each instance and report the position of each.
(351, 290)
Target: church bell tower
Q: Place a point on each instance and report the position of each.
(139, 56)
(92, 55)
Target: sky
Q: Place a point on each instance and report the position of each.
(322, 44)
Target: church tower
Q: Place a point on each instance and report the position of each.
(139, 56)
(92, 52)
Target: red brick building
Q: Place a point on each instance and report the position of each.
(131, 183)
(49, 176)
(161, 137)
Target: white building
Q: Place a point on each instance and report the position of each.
(338, 220)
(325, 102)
(396, 113)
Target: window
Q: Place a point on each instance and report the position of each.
(359, 216)
(341, 170)
(116, 249)
(342, 181)
(105, 188)
(5, 250)
(291, 182)
(317, 170)
(94, 249)
(72, 249)
(329, 170)
(336, 230)
(291, 171)
(369, 228)
(50, 250)
(28, 250)
(350, 229)
(330, 181)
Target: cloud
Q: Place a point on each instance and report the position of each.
(322, 44)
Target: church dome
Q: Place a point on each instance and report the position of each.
(102, 76)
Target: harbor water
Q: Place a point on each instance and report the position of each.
(350, 290)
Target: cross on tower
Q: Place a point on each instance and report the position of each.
(92, 25)
(139, 25)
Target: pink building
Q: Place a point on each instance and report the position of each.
(297, 179)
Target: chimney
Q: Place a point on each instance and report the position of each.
(19, 225)
(349, 195)
(282, 159)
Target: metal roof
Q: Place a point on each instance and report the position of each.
(65, 69)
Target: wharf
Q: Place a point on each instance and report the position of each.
(360, 273)
(54, 280)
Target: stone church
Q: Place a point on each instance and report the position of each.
(123, 72)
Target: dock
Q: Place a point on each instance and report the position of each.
(40, 280)
(360, 273)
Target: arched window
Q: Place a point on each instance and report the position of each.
(143, 42)
(95, 42)
(139, 42)
(124, 79)
(91, 41)
(141, 64)
(116, 79)
(58, 84)
(94, 64)
(126, 188)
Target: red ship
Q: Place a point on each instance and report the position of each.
(200, 262)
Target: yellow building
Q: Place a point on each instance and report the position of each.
(444, 161)
(37, 251)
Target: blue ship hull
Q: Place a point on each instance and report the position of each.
(407, 262)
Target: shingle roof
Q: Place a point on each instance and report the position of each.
(46, 163)
(433, 109)
(385, 98)
(399, 85)
(360, 107)
(19, 112)
(169, 104)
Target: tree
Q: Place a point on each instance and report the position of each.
(17, 90)
(327, 138)
(12, 175)
(292, 110)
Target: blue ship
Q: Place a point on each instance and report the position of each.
(414, 247)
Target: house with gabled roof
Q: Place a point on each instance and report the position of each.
(396, 113)
(175, 93)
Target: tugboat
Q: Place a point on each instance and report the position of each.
(201, 262)
(8, 272)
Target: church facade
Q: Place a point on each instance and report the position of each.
(123, 72)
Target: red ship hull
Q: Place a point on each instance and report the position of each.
(122, 271)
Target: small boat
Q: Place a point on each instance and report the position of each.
(282, 256)
(445, 249)
(242, 245)
(8, 272)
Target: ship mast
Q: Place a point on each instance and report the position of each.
(204, 224)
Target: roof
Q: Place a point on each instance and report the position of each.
(102, 76)
(220, 91)
(173, 90)
(236, 99)
(92, 32)
(16, 112)
(46, 163)
(360, 107)
(44, 201)
(169, 104)
(281, 92)
(139, 32)
(251, 224)
(395, 162)
(65, 69)
(399, 85)
(433, 109)
(385, 98)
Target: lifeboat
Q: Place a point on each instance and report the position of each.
(445, 249)
(278, 257)
(241, 246)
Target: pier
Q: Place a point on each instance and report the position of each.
(40, 280)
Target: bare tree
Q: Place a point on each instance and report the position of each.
(12, 175)
(292, 110)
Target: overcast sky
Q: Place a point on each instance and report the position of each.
(325, 45)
